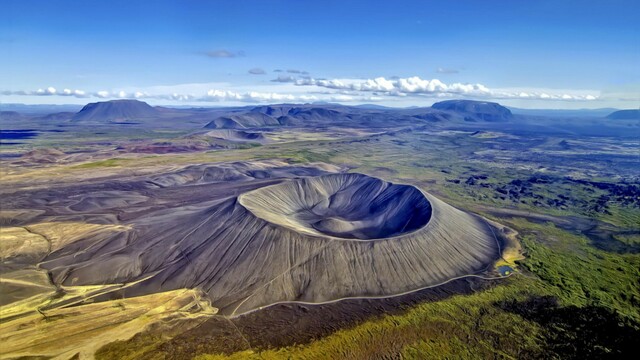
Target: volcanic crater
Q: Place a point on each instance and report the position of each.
(349, 206)
(252, 234)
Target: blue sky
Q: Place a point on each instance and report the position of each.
(545, 54)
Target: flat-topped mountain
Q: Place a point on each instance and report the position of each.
(475, 110)
(631, 114)
(116, 111)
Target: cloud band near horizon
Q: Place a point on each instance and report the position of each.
(305, 89)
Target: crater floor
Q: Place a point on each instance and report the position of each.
(350, 206)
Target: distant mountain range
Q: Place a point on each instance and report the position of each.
(371, 116)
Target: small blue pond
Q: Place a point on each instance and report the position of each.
(505, 270)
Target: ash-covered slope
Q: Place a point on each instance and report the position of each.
(312, 240)
(475, 110)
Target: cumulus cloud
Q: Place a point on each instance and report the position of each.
(290, 88)
(412, 85)
(434, 87)
(257, 71)
(252, 96)
(49, 91)
(76, 93)
(222, 53)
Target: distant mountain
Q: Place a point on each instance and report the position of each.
(273, 110)
(10, 115)
(326, 115)
(116, 111)
(241, 121)
(475, 110)
(273, 115)
(631, 114)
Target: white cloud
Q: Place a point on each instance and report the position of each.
(412, 85)
(252, 96)
(406, 91)
(49, 91)
(424, 87)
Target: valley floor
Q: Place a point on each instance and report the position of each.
(565, 207)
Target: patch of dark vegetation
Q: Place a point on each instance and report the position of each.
(561, 193)
(627, 194)
(590, 332)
